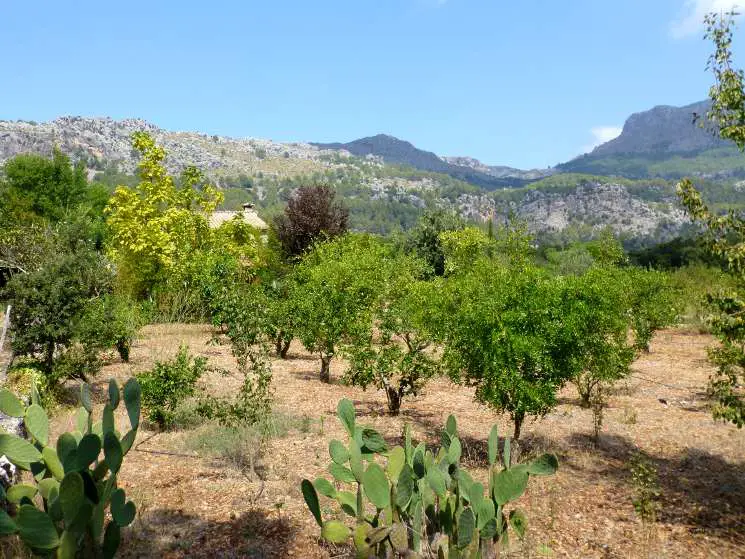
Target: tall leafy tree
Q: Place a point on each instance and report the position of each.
(34, 186)
(157, 224)
(726, 233)
(312, 214)
(424, 239)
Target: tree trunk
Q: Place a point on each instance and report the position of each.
(518, 425)
(394, 400)
(325, 369)
(285, 348)
(49, 357)
(278, 342)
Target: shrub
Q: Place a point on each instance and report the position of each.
(47, 303)
(168, 384)
(607, 351)
(253, 403)
(76, 488)
(654, 304)
(646, 488)
(516, 334)
(424, 239)
(423, 500)
(110, 322)
(334, 289)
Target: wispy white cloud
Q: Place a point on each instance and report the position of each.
(600, 135)
(690, 20)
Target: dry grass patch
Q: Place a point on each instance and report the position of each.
(196, 500)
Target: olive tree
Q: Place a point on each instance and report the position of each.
(332, 293)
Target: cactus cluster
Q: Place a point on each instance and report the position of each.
(63, 512)
(420, 503)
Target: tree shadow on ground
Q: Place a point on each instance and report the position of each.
(254, 534)
(699, 489)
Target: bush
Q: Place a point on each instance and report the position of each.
(424, 239)
(65, 506)
(49, 302)
(654, 304)
(423, 500)
(393, 356)
(516, 334)
(253, 403)
(333, 291)
(110, 322)
(170, 383)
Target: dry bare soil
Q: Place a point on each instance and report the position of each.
(196, 506)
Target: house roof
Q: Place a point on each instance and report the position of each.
(249, 216)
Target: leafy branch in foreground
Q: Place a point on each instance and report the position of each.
(420, 503)
(725, 233)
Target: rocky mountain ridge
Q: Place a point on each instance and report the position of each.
(105, 140)
(363, 172)
(498, 171)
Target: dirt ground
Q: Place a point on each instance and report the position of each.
(191, 506)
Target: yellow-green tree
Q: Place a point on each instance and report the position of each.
(157, 224)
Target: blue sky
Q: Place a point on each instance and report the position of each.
(525, 83)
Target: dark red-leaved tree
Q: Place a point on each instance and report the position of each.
(312, 213)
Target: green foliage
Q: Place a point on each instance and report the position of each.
(462, 247)
(725, 233)
(607, 353)
(727, 94)
(646, 488)
(38, 187)
(168, 384)
(517, 335)
(253, 403)
(654, 304)
(425, 242)
(110, 321)
(333, 291)
(394, 355)
(423, 501)
(65, 508)
(728, 325)
(47, 303)
(156, 225)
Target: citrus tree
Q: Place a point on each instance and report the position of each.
(332, 293)
(514, 334)
(607, 350)
(393, 352)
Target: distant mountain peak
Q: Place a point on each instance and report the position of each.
(400, 152)
(663, 129)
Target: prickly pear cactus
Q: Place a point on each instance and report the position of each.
(75, 480)
(410, 501)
